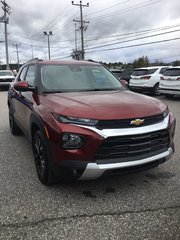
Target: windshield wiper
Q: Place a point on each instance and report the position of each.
(52, 91)
(102, 89)
(82, 90)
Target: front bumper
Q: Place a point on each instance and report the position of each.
(94, 170)
(82, 170)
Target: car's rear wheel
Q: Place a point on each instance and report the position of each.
(156, 90)
(41, 156)
(15, 130)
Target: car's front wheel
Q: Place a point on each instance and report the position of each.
(41, 155)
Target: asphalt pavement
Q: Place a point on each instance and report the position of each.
(138, 206)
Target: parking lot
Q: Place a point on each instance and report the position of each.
(143, 205)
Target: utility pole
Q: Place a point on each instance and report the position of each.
(48, 35)
(76, 54)
(5, 20)
(75, 37)
(32, 51)
(82, 27)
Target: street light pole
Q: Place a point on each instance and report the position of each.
(6, 8)
(48, 35)
(49, 54)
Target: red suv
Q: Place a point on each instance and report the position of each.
(84, 124)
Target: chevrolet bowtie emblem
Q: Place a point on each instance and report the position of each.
(137, 122)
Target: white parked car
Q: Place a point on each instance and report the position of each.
(6, 77)
(147, 79)
(170, 82)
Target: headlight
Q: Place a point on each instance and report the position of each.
(73, 120)
(72, 141)
(165, 113)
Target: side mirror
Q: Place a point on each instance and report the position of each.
(124, 83)
(23, 86)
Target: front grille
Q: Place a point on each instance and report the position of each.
(125, 123)
(133, 147)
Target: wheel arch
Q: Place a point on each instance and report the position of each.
(36, 123)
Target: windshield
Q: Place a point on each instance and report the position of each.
(140, 72)
(75, 77)
(6, 73)
(172, 72)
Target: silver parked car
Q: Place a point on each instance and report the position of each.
(6, 77)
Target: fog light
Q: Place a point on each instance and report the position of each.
(72, 141)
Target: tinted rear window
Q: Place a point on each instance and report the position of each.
(140, 72)
(6, 73)
(172, 72)
(163, 70)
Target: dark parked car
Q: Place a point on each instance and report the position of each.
(124, 74)
(84, 124)
(116, 72)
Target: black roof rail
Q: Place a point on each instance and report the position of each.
(34, 59)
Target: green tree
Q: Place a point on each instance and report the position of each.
(176, 63)
(141, 62)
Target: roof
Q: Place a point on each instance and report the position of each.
(177, 67)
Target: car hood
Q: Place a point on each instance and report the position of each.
(103, 105)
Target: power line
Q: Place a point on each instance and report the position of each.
(109, 36)
(135, 45)
(104, 9)
(66, 23)
(135, 39)
(149, 2)
(135, 33)
(46, 26)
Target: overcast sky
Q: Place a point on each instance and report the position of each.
(118, 30)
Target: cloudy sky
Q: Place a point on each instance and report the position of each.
(118, 30)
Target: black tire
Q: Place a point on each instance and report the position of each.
(41, 157)
(156, 90)
(15, 130)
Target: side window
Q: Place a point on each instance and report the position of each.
(30, 77)
(22, 74)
